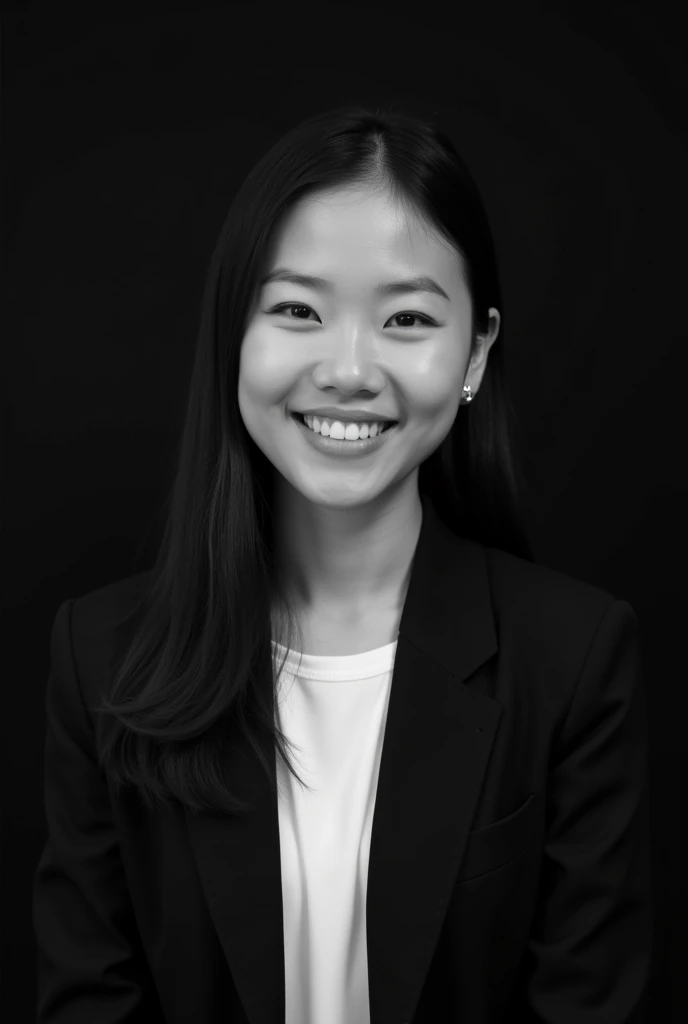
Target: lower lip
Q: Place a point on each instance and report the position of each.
(333, 446)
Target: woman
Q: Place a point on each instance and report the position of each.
(466, 837)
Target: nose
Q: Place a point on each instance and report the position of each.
(351, 365)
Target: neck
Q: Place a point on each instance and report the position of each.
(346, 561)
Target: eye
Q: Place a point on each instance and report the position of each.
(290, 305)
(427, 321)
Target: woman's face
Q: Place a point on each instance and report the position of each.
(402, 354)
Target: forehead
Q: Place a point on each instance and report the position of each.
(362, 229)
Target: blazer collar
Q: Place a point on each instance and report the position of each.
(438, 738)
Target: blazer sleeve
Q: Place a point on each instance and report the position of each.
(90, 962)
(589, 952)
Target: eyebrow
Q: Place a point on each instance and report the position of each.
(410, 284)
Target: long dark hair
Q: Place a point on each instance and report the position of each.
(203, 625)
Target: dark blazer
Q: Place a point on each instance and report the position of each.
(509, 871)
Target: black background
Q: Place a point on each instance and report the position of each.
(124, 138)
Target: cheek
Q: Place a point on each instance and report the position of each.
(264, 369)
(435, 385)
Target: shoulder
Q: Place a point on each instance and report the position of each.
(543, 608)
(85, 636)
(532, 585)
(109, 605)
(90, 617)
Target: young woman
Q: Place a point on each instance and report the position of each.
(344, 570)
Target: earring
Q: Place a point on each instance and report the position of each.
(467, 396)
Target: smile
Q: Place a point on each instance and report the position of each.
(352, 430)
(343, 447)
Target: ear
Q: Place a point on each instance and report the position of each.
(484, 342)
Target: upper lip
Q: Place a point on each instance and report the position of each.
(361, 415)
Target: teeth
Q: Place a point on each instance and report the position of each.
(341, 431)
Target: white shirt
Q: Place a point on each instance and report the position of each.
(334, 711)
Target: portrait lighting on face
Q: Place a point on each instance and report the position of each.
(359, 343)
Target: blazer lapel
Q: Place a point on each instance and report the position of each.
(437, 743)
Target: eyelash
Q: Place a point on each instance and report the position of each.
(429, 322)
